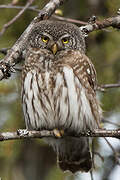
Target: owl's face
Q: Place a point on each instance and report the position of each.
(53, 44)
(56, 36)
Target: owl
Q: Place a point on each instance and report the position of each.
(59, 91)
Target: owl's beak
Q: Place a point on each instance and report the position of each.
(54, 48)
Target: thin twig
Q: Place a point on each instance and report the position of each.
(115, 124)
(92, 149)
(9, 6)
(69, 20)
(112, 148)
(99, 155)
(16, 17)
(91, 175)
(103, 87)
(110, 85)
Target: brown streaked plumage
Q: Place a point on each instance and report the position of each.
(59, 91)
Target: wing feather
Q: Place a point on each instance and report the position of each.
(85, 72)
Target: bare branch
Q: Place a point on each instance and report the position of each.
(27, 134)
(40, 134)
(110, 85)
(60, 18)
(16, 17)
(97, 25)
(49, 9)
(99, 155)
(116, 155)
(103, 87)
(91, 174)
(9, 6)
(113, 123)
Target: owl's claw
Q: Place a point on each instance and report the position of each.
(58, 133)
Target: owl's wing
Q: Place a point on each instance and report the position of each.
(83, 68)
(85, 72)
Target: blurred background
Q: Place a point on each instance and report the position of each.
(33, 159)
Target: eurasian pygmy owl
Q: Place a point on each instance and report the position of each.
(59, 91)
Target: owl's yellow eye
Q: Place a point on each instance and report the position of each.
(65, 40)
(45, 39)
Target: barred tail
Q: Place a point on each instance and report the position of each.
(74, 155)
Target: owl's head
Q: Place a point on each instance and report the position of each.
(56, 36)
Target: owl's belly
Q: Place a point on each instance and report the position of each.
(63, 105)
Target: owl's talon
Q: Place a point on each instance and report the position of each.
(58, 133)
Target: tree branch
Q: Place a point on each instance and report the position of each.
(110, 85)
(9, 6)
(109, 122)
(24, 134)
(103, 87)
(70, 20)
(97, 25)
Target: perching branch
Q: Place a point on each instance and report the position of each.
(24, 134)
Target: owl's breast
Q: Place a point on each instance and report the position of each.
(56, 100)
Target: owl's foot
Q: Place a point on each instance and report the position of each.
(58, 133)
